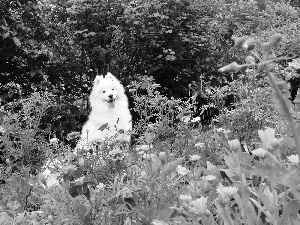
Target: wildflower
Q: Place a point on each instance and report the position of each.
(198, 206)
(234, 145)
(196, 119)
(267, 136)
(54, 141)
(225, 193)
(116, 154)
(195, 157)
(239, 41)
(260, 152)
(148, 156)
(294, 159)
(182, 170)
(276, 142)
(185, 198)
(149, 137)
(232, 67)
(144, 147)
(199, 145)
(249, 44)
(186, 119)
(79, 180)
(222, 130)
(295, 63)
(100, 187)
(209, 177)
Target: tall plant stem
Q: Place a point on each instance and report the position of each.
(286, 109)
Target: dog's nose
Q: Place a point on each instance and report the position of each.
(110, 96)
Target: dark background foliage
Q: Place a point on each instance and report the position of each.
(60, 46)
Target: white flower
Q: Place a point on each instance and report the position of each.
(295, 63)
(100, 186)
(196, 119)
(199, 145)
(182, 170)
(267, 136)
(198, 206)
(185, 198)
(79, 180)
(260, 152)
(195, 157)
(143, 173)
(148, 156)
(54, 141)
(209, 177)
(293, 159)
(222, 130)
(144, 147)
(186, 119)
(226, 192)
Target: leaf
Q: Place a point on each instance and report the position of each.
(5, 35)
(289, 142)
(32, 42)
(288, 176)
(291, 209)
(17, 41)
(277, 104)
(32, 73)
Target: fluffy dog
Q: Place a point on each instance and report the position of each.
(110, 116)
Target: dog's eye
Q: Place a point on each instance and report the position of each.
(112, 89)
(103, 91)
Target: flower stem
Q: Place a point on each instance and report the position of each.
(286, 109)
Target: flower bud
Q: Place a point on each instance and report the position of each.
(162, 157)
(250, 59)
(249, 44)
(50, 218)
(232, 67)
(275, 39)
(239, 41)
(275, 143)
(81, 161)
(234, 145)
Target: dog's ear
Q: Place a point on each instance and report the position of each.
(110, 76)
(98, 79)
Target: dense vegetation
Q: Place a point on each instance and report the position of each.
(213, 92)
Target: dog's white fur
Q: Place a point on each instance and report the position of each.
(110, 113)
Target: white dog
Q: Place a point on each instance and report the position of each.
(110, 116)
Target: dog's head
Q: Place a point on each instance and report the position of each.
(106, 89)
